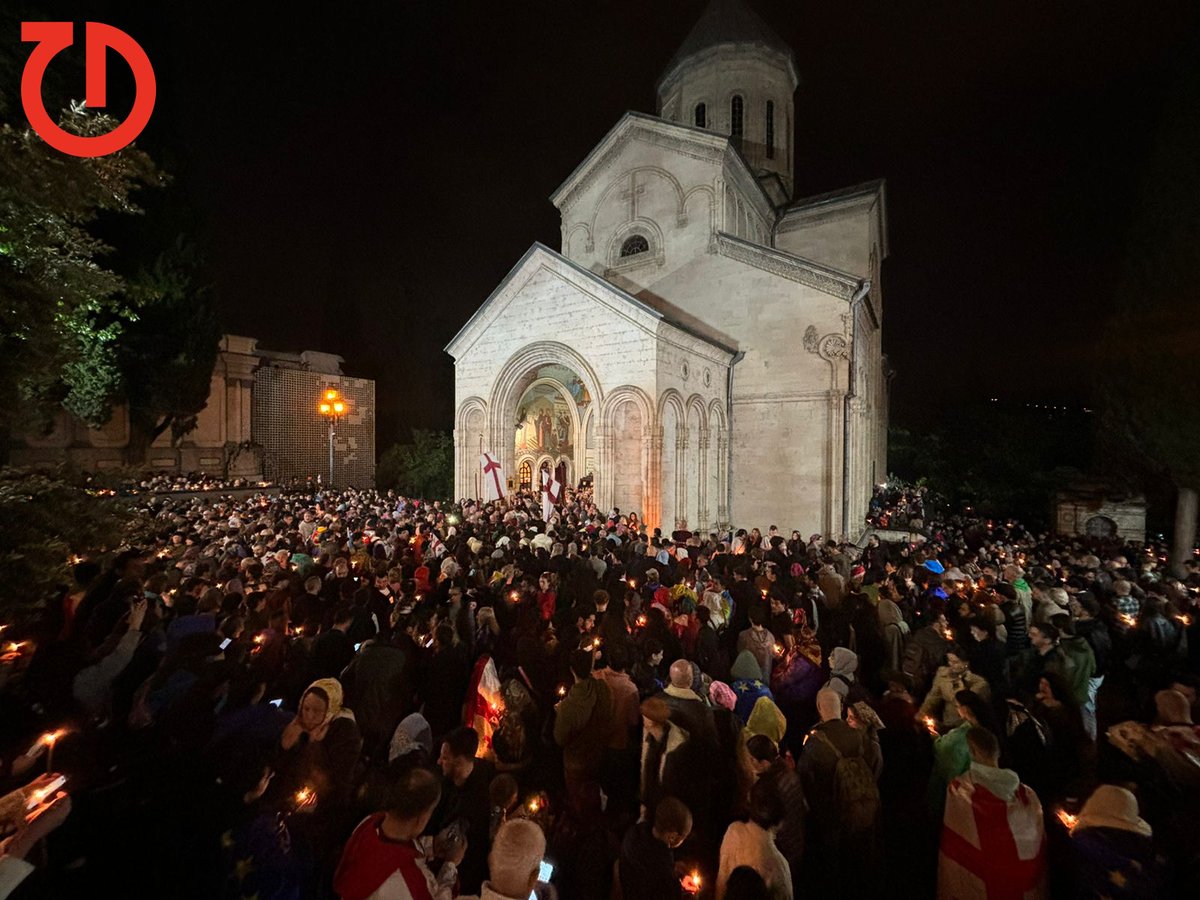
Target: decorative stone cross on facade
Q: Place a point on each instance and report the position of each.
(632, 193)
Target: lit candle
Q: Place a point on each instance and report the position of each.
(514, 596)
(641, 621)
(51, 739)
(1127, 619)
(1069, 820)
(1184, 620)
(305, 797)
(778, 649)
(930, 725)
(534, 805)
(691, 882)
(562, 690)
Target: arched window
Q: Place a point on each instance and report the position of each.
(701, 115)
(634, 244)
(526, 475)
(735, 117)
(770, 129)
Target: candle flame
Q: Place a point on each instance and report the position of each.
(1129, 620)
(691, 882)
(562, 690)
(930, 724)
(1068, 819)
(641, 621)
(534, 805)
(303, 796)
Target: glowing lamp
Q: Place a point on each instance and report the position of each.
(325, 409)
(339, 407)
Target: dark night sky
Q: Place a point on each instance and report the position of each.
(364, 175)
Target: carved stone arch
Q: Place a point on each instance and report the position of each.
(716, 474)
(470, 439)
(712, 205)
(508, 387)
(693, 487)
(670, 435)
(515, 377)
(623, 179)
(649, 229)
(670, 397)
(625, 476)
(589, 244)
(624, 394)
(716, 415)
(696, 409)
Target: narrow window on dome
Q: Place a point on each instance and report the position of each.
(770, 130)
(701, 116)
(735, 117)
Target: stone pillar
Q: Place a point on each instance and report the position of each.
(702, 518)
(723, 512)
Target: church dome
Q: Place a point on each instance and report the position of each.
(734, 75)
(727, 22)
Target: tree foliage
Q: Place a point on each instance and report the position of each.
(1002, 461)
(167, 353)
(1151, 365)
(423, 468)
(45, 518)
(61, 312)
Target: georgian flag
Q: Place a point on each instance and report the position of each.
(493, 478)
(991, 849)
(551, 494)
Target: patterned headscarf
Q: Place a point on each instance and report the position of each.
(332, 688)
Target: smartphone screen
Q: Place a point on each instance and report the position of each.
(357, 646)
(277, 703)
(225, 643)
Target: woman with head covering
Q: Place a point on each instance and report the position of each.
(747, 684)
(1112, 849)
(320, 747)
(411, 744)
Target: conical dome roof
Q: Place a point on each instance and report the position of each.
(727, 22)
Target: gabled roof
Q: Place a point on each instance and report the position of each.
(654, 129)
(538, 248)
(727, 22)
(867, 191)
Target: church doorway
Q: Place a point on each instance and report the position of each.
(554, 410)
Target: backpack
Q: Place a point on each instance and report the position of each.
(854, 789)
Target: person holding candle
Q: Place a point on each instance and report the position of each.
(646, 865)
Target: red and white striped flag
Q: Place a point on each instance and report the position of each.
(493, 478)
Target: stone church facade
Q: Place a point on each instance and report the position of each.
(702, 345)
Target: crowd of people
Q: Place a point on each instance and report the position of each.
(350, 694)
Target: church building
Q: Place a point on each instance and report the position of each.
(703, 346)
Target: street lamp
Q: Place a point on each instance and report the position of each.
(333, 408)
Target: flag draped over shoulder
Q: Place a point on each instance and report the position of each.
(992, 848)
(493, 478)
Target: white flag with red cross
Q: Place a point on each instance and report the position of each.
(493, 478)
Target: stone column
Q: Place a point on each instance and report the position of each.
(702, 518)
